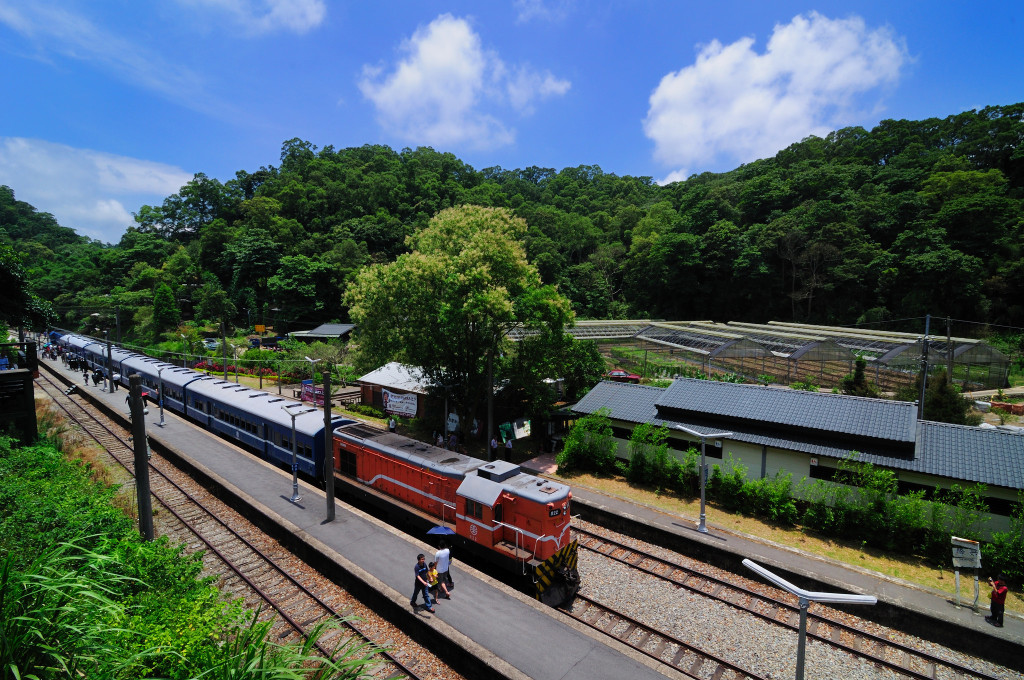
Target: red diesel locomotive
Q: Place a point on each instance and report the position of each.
(516, 519)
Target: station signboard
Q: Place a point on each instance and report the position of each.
(966, 553)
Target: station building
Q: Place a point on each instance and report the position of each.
(807, 434)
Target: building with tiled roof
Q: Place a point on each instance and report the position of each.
(807, 433)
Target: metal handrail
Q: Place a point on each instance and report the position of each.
(518, 531)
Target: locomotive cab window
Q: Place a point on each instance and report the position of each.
(474, 509)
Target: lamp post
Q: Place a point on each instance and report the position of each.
(312, 370)
(312, 376)
(295, 450)
(702, 527)
(160, 377)
(806, 597)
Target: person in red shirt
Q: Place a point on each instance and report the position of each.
(998, 597)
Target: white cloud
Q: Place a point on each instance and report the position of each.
(259, 17)
(85, 190)
(449, 90)
(735, 105)
(545, 10)
(73, 36)
(527, 85)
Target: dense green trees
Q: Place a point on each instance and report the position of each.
(908, 218)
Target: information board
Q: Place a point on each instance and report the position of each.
(966, 553)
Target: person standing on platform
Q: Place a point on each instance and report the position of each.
(494, 447)
(444, 565)
(508, 449)
(453, 442)
(998, 597)
(392, 425)
(422, 583)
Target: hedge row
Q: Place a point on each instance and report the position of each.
(865, 508)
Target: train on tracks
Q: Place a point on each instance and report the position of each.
(517, 520)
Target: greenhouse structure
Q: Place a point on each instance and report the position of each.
(781, 352)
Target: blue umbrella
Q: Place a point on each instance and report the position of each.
(442, 531)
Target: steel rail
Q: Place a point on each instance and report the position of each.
(110, 434)
(605, 619)
(722, 588)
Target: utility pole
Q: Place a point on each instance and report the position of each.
(141, 456)
(924, 366)
(490, 403)
(224, 345)
(949, 355)
(328, 446)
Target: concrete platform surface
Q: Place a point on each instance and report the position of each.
(510, 634)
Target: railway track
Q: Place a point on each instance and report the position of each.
(902, 659)
(656, 644)
(245, 570)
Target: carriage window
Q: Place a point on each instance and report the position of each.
(474, 509)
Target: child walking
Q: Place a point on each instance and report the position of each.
(436, 583)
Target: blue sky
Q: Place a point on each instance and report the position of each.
(112, 104)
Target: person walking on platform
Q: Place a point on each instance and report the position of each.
(998, 597)
(392, 425)
(436, 583)
(422, 583)
(443, 557)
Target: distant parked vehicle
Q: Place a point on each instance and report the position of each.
(210, 343)
(619, 375)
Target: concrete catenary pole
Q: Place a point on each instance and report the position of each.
(924, 366)
(141, 456)
(328, 445)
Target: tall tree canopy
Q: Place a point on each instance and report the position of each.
(908, 218)
(448, 305)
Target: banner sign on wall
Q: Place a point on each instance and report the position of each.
(313, 393)
(401, 404)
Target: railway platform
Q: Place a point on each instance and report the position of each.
(487, 629)
(927, 613)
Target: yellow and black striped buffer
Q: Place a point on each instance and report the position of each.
(553, 570)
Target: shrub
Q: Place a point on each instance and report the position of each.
(1005, 554)
(648, 455)
(729, 484)
(589, 445)
(366, 410)
(772, 497)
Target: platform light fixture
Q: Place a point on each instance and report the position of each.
(806, 597)
(312, 367)
(295, 449)
(702, 526)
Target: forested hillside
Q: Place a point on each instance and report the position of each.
(911, 217)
